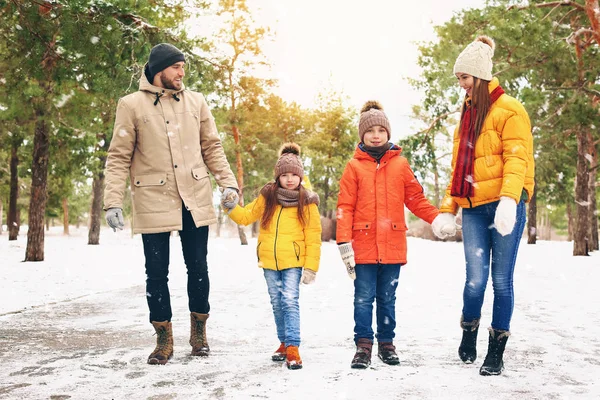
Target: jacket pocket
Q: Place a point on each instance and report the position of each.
(399, 226)
(202, 186)
(361, 225)
(257, 251)
(151, 193)
(297, 251)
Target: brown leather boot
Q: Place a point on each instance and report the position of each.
(362, 358)
(198, 339)
(164, 343)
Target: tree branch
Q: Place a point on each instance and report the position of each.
(567, 3)
(590, 91)
(435, 121)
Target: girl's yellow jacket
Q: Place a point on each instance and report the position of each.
(285, 243)
(504, 163)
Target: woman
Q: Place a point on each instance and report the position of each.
(492, 179)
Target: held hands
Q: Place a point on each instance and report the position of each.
(443, 225)
(308, 276)
(229, 198)
(114, 218)
(506, 215)
(347, 253)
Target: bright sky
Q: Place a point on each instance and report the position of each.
(365, 49)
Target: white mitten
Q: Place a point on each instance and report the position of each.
(443, 225)
(308, 276)
(506, 215)
(347, 253)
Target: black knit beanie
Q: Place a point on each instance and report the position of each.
(162, 55)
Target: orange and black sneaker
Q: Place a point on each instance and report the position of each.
(279, 354)
(292, 357)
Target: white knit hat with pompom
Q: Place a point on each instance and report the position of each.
(476, 59)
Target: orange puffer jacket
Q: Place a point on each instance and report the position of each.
(370, 208)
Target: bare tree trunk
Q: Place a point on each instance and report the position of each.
(569, 222)
(582, 219)
(65, 207)
(13, 221)
(96, 208)
(592, 188)
(532, 220)
(240, 178)
(39, 178)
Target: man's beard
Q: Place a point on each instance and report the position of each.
(168, 83)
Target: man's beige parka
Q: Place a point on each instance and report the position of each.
(167, 142)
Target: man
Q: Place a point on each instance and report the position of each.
(166, 140)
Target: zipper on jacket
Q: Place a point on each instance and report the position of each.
(470, 204)
(275, 243)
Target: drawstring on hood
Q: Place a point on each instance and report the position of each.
(158, 96)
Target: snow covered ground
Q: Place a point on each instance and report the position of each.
(75, 327)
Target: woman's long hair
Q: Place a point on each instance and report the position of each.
(270, 194)
(481, 101)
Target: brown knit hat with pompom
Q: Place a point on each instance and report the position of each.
(372, 114)
(289, 161)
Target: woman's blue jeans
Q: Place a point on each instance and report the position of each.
(284, 290)
(375, 282)
(482, 242)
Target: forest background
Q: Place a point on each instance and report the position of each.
(65, 63)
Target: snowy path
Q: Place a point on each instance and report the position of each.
(78, 329)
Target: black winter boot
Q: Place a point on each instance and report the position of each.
(387, 353)
(493, 364)
(467, 351)
(362, 358)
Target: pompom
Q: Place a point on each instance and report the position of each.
(371, 104)
(291, 148)
(487, 40)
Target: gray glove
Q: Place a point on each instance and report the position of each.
(229, 198)
(114, 218)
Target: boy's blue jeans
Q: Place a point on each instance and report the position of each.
(284, 290)
(375, 281)
(481, 242)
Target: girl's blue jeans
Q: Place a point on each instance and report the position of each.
(375, 282)
(284, 290)
(485, 247)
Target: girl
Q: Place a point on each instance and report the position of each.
(492, 179)
(289, 245)
(371, 230)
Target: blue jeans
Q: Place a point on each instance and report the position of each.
(284, 290)
(480, 240)
(375, 281)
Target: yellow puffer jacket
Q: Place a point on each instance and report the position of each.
(504, 163)
(285, 243)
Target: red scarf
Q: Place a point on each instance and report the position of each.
(462, 179)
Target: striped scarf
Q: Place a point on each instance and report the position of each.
(462, 178)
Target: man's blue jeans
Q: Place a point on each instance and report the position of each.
(375, 281)
(481, 242)
(284, 290)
